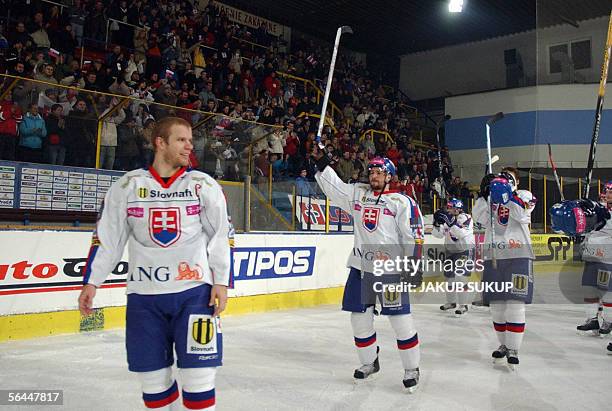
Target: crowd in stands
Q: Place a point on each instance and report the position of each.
(167, 53)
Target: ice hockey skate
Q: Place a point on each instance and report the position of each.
(461, 310)
(367, 372)
(411, 380)
(513, 360)
(605, 329)
(448, 306)
(499, 355)
(589, 327)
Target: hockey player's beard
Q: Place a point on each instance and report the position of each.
(376, 186)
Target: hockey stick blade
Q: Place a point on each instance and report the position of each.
(346, 29)
(494, 159)
(494, 119)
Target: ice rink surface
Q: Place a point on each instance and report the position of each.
(304, 360)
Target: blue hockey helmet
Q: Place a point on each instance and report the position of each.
(384, 164)
(454, 203)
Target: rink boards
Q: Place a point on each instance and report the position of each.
(40, 277)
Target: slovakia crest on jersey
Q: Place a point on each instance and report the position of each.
(503, 214)
(165, 225)
(370, 218)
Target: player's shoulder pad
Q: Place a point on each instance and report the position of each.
(526, 197)
(362, 186)
(201, 177)
(401, 198)
(131, 176)
(464, 219)
(210, 188)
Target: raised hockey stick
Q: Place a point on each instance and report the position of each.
(341, 30)
(492, 120)
(599, 108)
(554, 168)
(438, 125)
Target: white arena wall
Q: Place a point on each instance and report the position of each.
(40, 277)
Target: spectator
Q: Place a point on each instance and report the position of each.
(395, 184)
(81, 130)
(272, 85)
(466, 195)
(65, 41)
(21, 36)
(303, 187)
(55, 144)
(262, 165)
(47, 76)
(127, 154)
(32, 131)
(280, 166)
(109, 135)
(345, 167)
(292, 144)
(394, 154)
(369, 146)
(354, 178)
(95, 23)
(146, 142)
(277, 142)
(10, 117)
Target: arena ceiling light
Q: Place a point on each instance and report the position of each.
(455, 6)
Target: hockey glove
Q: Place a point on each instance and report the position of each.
(577, 217)
(439, 218)
(449, 219)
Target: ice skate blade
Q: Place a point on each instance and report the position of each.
(499, 361)
(590, 333)
(411, 390)
(609, 352)
(362, 381)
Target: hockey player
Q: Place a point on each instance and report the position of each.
(176, 225)
(514, 256)
(579, 217)
(591, 293)
(457, 229)
(386, 218)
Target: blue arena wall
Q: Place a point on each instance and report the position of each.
(562, 115)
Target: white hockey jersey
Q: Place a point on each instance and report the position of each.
(597, 245)
(458, 237)
(178, 232)
(511, 224)
(392, 226)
